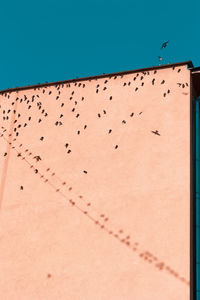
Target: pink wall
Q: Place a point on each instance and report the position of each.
(75, 235)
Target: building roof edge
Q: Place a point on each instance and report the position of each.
(188, 63)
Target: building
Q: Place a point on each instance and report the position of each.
(99, 178)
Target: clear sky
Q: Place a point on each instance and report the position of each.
(59, 40)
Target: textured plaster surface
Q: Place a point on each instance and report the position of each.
(95, 191)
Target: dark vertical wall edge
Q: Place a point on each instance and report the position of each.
(192, 193)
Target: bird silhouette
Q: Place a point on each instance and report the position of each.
(110, 130)
(162, 82)
(155, 132)
(21, 187)
(37, 157)
(164, 45)
(131, 115)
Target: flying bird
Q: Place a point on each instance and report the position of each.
(155, 132)
(164, 45)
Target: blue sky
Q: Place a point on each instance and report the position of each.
(59, 40)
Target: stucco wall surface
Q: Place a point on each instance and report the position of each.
(95, 189)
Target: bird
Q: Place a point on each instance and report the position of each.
(155, 132)
(85, 172)
(66, 145)
(21, 187)
(162, 82)
(110, 130)
(116, 146)
(164, 44)
(131, 115)
(42, 138)
(37, 157)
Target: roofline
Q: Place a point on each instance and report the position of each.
(195, 69)
(189, 63)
